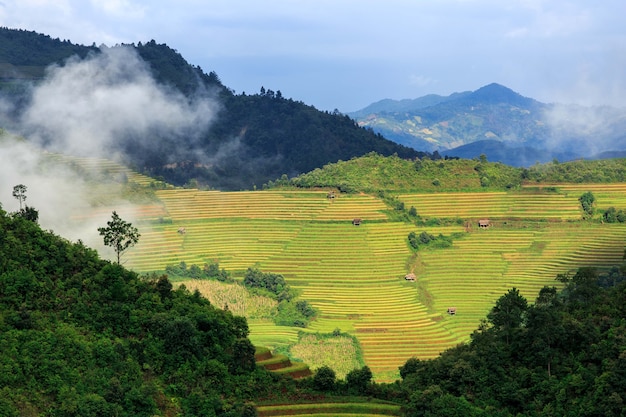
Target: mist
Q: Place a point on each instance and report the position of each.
(83, 108)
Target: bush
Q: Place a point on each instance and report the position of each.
(324, 379)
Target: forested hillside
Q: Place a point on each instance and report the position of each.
(251, 138)
(564, 355)
(85, 337)
(376, 173)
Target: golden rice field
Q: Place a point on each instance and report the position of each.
(337, 352)
(354, 275)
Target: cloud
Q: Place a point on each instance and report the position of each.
(84, 106)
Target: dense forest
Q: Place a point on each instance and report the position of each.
(83, 336)
(255, 138)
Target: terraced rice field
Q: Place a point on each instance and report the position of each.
(330, 409)
(99, 167)
(495, 205)
(354, 275)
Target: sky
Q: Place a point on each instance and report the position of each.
(347, 54)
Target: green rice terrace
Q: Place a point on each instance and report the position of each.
(355, 275)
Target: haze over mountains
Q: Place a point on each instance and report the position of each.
(500, 123)
(147, 107)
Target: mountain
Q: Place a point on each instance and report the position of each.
(506, 126)
(241, 141)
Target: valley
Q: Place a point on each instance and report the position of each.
(354, 275)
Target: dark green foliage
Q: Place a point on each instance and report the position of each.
(587, 203)
(509, 313)
(209, 271)
(324, 379)
(612, 215)
(562, 355)
(83, 336)
(359, 380)
(28, 213)
(296, 314)
(259, 137)
(410, 367)
(31, 49)
(426, 239)
(274, 284)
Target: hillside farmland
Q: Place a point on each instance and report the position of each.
(354, 275)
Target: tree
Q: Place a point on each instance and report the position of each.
(359, 379)
(324, 379)
(29, 213)
(119, 235)
(587, 202)
(19, 192)
(509, 313)
(411, 366)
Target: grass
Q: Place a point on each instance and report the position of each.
(238, 299)
(341, 353)
(330, 409)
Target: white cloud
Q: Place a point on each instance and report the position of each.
(83, 106)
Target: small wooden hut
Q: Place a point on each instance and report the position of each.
(410, 277)
(356, 222)
(484, 223)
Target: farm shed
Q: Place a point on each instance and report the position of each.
(484, 223)
(410, 277)
(356, 222)
(451, 311)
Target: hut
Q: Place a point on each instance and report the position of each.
(182, 230)
(356, 222)
(484, 223)
(410, 277)
(451, 311)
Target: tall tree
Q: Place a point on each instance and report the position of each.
(509, 313)
(119, 234)
(19, 192)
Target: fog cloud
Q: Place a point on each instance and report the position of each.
(84, 106)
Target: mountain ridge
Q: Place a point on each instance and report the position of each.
(251, 138)
(495, 113)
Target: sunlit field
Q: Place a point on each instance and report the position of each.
(354, 275)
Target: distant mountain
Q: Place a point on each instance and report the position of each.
(254, 138)
(506, 126)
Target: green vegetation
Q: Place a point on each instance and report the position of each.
(119, 234)
(587, 202)
(374, 173)
(82, 336)
(426, 239)
(274, 134)
(68, 319)
(562, 355)
(341, 352)
(209, 271)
